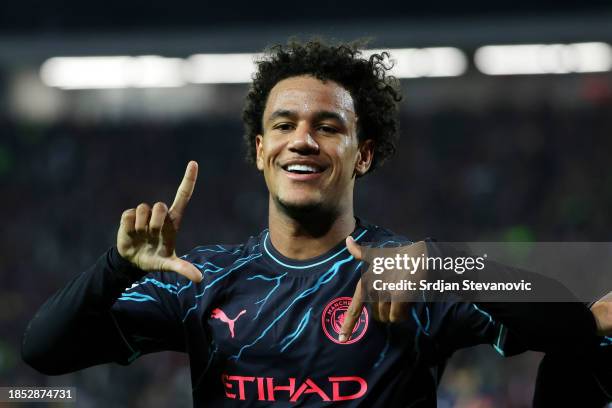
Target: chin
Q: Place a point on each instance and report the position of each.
(300, 204)
(297, 204)
(311, 212)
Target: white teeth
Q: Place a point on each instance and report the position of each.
(301, 167)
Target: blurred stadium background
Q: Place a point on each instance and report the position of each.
(103, 103)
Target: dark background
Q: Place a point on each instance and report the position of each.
(481, 158)
(73, 16)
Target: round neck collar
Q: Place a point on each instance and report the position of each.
(306, 265)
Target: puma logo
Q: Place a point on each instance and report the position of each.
(220, 314)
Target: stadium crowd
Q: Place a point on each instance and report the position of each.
(502, 173)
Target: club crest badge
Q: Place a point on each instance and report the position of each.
(333, 317)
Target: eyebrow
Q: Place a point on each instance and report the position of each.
(282, 113)
(318, 116)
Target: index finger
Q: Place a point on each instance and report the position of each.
(185, 190)
(352, 314)
(354, 248)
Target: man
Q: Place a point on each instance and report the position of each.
(266, 322)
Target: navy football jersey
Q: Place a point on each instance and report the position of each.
(262, 329)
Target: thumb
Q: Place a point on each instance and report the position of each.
(182, 267)
(354, 248)
(352, 315)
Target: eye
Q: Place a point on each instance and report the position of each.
(283, 127)
(327, 129)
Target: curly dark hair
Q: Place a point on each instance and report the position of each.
(375, 94)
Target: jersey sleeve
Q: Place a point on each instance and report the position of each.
(156, 312)
(94, 319)
(456, 325)
(513, 328)
(148, 315)
(536, 325)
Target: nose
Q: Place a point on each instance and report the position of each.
(302, 141)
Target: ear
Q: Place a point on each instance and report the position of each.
(259, 151)
(364, 157)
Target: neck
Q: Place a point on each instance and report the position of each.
(308, 234)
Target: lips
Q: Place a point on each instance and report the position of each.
(303, 170)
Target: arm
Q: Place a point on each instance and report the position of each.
(77, 320)
(562, 323)
(87, 322)
(538, 326)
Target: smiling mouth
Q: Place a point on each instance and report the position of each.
(302, 169)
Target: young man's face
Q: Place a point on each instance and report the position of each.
(309, 152)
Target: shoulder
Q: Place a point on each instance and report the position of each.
(223, 252)
(382, 237)
(213, 260)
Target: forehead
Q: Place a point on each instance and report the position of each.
(306, 94)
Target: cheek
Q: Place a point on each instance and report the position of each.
(270, 150)
(346, 153)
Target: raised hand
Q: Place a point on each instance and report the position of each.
(147, 237)
(602, 312)
(382, 311)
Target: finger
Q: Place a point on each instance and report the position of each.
(184, 268)
(354, 248)
(603, 317)
(128, 217)
(184, 192)
(158, 215)
(383, 311)
(168, 233)
(398, 312)
(375, 314)
(351, 315)
(143, 213)
(606, 298)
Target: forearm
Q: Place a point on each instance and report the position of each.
(74, 329)
(547, 327)
(557, 321)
